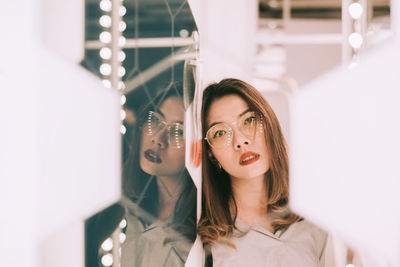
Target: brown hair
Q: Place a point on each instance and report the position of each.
(217, 218)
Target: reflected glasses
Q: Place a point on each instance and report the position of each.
(249, 124)
(175, 131)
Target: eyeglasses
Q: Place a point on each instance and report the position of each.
(175, 131)
(220, 135)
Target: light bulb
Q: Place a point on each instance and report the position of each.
(184, 33)
(121, 71)
(122, 26)
(122, 237)
(105, 5)
(123, 115)
(105, 53)
(107, 245)
(105, 21)
(107, 260)
(105, 37)
(122, 11)
(123, 101)
(107, 83)
(105, 69)
(121, 85)
(121, 56)
(122, 129)
(355, 10)
(121, 41)
(355, 40)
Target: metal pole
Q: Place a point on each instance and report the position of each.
(115, 43)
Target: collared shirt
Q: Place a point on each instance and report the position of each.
(150, 242)
(302, 245)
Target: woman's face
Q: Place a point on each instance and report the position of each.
(245, 157)
(160, 153)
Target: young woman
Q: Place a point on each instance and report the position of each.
(245, 219)
(159, 195)
(156, 217)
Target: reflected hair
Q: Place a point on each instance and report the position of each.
(219, 209)
(142, 188)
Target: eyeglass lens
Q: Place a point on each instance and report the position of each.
(175, 131)
(221, 134)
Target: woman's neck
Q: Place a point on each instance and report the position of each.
(169, 190)
(251, 200)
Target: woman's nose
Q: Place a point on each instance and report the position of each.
(239, 140)
(160, 139)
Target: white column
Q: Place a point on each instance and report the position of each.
(60, 144)
(227, 30)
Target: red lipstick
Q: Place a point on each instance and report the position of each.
(248, 158)
(152, 156)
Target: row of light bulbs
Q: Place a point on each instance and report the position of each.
(106, 53)
(107, 246)
(355, 39)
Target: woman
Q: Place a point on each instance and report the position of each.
(245, 218)
(157, 211)
(159, 193)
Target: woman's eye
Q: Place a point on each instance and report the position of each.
(179, 132)
(250, 120)
(219, 133)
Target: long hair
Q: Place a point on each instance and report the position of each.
(218, 218)
(142, 188)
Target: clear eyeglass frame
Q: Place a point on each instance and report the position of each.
(220, 135)
(175, 131)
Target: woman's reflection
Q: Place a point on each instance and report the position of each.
(159, 195)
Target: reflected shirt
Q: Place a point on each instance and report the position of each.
(150, 242)
(302, 245)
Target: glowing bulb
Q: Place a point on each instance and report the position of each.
(121, 71)
(123, 115)
(105, 5)
(123, 101)
(105, 21)
(184, 33)
(122, 26)
(122, 129)
(122, 237)
(121, 41)
(107, 245)
(355, 10)
(121, 56)
(107, 260)
(123, 223)
(355, 40)
(107, 83)
(122, 11)
(105, 53)
(105, 69)
(105, 37)
(121, 85)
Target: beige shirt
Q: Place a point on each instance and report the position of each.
(150, 242)
(301, 245)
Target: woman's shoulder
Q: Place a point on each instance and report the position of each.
(305, 227)
(306, 232)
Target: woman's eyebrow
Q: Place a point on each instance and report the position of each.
(159, 112)
(244, 112)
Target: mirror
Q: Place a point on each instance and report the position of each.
(154, 223)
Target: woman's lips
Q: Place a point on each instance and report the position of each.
(152, 156)
(248, 158)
